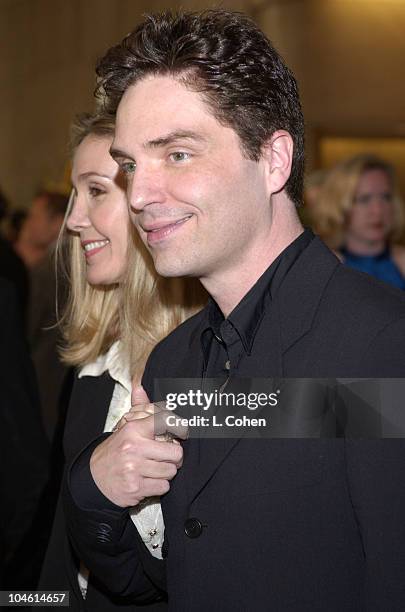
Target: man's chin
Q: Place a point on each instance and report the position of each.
(171, 269)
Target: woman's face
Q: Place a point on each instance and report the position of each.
(372, 215)
(99, 214)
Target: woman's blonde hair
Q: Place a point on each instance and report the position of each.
(95, 316)
(337, 195)
(152, 306)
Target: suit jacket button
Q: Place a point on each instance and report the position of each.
(193, 528)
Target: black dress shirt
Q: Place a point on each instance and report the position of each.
(225, 341)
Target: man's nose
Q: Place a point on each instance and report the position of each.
(145, 188)
(78, 217)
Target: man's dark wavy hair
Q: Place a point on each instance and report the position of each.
(224, 56)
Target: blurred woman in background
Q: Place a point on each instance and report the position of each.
(105, 253)
(361, 216)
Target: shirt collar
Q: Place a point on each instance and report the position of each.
(112, 362)
(247, 315)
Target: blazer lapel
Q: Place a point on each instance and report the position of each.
(290, 317)
(88, 410)
(207, 455)
(301, 292)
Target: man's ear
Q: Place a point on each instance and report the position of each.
(277, 153)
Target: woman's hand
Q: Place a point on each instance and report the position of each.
(142, 408)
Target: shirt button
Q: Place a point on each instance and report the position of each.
(193, 528)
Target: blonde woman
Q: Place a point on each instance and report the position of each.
(360, 214)
(104, 255)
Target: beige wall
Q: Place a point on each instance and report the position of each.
(49, 49)
(348, 56)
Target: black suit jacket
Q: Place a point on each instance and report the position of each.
(85, 420)
(13, 269)
(23, 448)
(298, 525)
(44, 337)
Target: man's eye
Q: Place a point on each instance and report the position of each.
(179, 156)
(128, 167)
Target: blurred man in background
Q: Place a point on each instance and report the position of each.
(11, 265)
(41, 227)
(36, 246)
(23, 452)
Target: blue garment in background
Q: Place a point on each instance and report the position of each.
(381, 266)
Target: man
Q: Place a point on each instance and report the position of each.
(41, 227)
(11, 266)
(37, 247)
(210, 134)
(24, 452)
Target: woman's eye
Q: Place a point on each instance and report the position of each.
(96, 192)
(364, 199)
(179, 156)
(128, 167)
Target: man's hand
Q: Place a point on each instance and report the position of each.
(131, 465)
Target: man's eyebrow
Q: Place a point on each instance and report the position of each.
(162, 141)
(172, 137)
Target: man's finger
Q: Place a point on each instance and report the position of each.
(167, 421)
(148, 408)
(130, 416)
(161, 423)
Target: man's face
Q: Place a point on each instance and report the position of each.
(40, 228)
(200, 206)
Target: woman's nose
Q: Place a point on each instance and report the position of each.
(78, 217)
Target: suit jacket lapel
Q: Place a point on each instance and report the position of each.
(211, 453)
(289, 318)
(86, 416)
(88, 410)
(301, 292)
